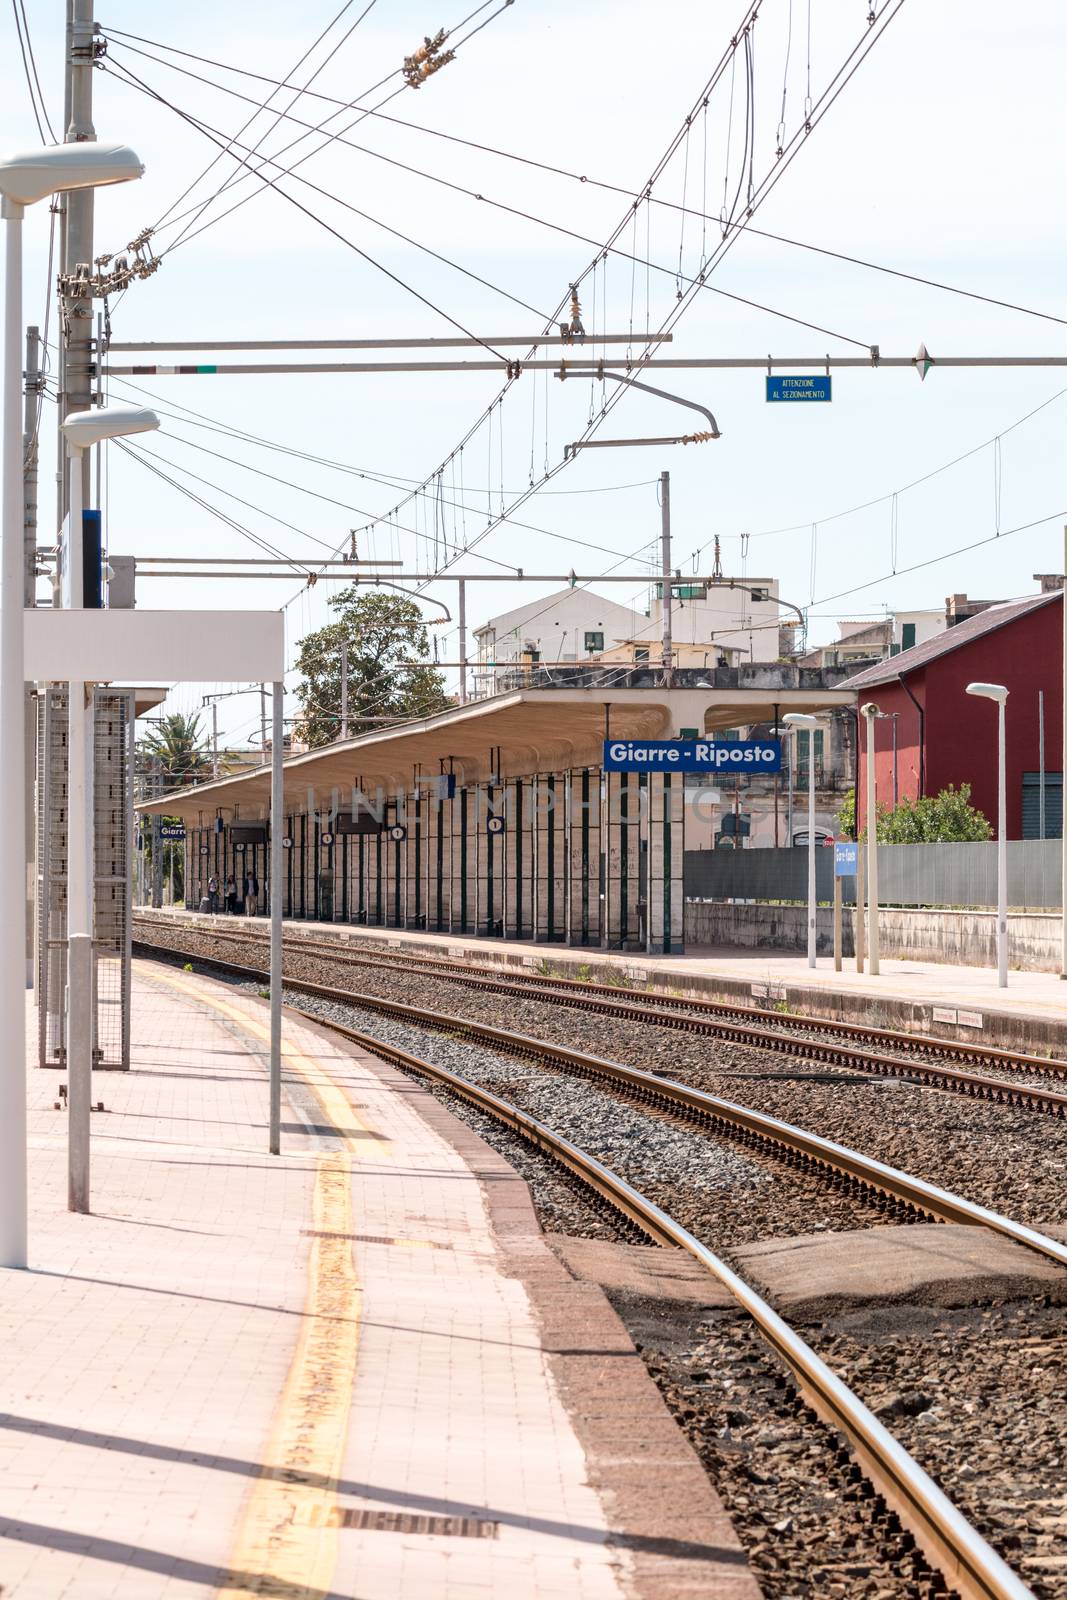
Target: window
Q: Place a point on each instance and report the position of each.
(1053, 805)
(907, 635)
(684, 591)
(593, 643)
(640, 652)
(801, 744)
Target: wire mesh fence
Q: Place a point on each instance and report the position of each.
(113, 715)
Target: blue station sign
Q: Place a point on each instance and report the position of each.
(786, 387)
(692, 755)
(846, 859)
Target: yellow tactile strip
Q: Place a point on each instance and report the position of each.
(286, 1545)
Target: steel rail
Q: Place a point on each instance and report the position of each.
(970, 1565)
(725, 1117)
(954, 1049)
(634, 1005)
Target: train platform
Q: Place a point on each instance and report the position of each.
(354, 1369)
(919, 996)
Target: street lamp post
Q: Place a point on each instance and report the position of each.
(801, 719)
(870, 712)
(82, 430)
(998, 693)
(25, 178)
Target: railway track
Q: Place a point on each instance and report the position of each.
(953, 1547)
(949, 1542)
(895, 1192)
(839, 1048)
(694, 1014)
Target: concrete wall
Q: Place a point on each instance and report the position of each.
(959, 938)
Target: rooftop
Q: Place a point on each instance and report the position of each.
(988, 621)
(526, 730)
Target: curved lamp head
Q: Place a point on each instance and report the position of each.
(989, 691)
(30, 175)
(870, 710)
(84, 428)
(800, 719)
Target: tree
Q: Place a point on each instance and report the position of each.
(387, 677)
(938, 819)
(180, 750)
(934, 819)
(846, 816)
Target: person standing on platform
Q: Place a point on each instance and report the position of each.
(231, 895)
(251, 894)
(213, 894)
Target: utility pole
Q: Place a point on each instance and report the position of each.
(263, 722)
(157, 839)
(30, 455)
(76, 247)
(344, 688)
(1063, 775)
(665, 553)
(214, 738)
(462, 588)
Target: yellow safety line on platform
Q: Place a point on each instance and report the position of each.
(286, 1546)
(335, 1103)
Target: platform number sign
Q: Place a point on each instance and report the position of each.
(326, 839)
(494, 825)
(205, 849)
(398, 833)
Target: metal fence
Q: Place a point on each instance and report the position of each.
(113, 717)
(908, 875)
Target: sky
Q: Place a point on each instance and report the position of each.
(938, 158)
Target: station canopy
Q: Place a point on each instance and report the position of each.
(508, 735)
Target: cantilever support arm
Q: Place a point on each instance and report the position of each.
(619, 377)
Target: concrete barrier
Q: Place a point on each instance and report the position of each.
(957, 938)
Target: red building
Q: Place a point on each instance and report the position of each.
(945, 736)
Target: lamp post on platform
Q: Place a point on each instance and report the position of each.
(998, 693)
(26, 177)
(82, 430)
(870, 713)
(802, 719)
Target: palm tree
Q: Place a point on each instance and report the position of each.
(180, 749)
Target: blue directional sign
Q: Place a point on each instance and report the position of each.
(692, 755)
(846, 859)
(788, 388)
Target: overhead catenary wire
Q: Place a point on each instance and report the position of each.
(840, 80)
(219, 489)
(760, 190)
(29, 68)
(583, 178)
(262, 107)
(341, 504)
(391, 480)
(750, 12)
(633, 257)
(321, 221)
(237, 179)
(222, 516)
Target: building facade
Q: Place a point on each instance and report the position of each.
(932, 734)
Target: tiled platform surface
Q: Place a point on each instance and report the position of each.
(255, 1375)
